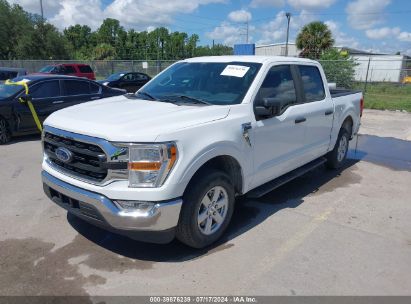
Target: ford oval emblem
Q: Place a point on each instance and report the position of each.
(64, 155)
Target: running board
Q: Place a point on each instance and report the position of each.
(279, 181)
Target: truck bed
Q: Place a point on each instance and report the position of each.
(339, 92)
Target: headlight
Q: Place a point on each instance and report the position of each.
(105, 83)
(149, 165)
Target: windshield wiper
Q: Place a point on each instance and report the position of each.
(193, 100)
(147, 94)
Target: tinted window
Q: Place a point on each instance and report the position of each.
(278, 83)
(46, 89)
(85, 69)
(94, 88)
(4, 75)
(75, 87)
(68, 69)
(312, 82)
(141, 77)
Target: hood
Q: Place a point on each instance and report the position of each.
(132, 120)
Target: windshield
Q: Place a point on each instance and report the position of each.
(7, 90)
(209, 82)
(115, 76)
(47, 69)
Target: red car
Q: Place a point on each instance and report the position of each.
(70, 69)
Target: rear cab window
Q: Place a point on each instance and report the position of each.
(312, 82)
(85, 69)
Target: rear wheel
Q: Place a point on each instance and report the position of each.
(336, 158)
(208, 205)
(4, 132)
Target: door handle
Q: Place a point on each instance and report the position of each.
(300, 120)
(58, 101)
(329, 112)
(95, 97)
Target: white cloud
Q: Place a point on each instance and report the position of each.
(139, 14)
(230, 34)
(311, 4)
(381, 33)
(341, 38)
(260, 3)
(240, 16)
(275, 30)
(50, 7)
(405, 37)
(365, 14)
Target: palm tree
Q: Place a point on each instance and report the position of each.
(314, 39)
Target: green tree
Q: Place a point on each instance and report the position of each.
(79, 38)
(338, 67)
(104, 51)
(313, 39)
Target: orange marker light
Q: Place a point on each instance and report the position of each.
(173, 157)
(144, 166)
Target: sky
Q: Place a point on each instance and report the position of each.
(372, 25)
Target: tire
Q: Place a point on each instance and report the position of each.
(208, 206)
(337, 157)
(4, 132)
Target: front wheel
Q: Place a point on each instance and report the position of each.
(4, 132)
(336, 158)
(208, 205)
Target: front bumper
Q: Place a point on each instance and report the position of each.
(157, 225)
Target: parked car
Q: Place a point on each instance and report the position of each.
(171, 160)
(48, 94)
(10, 73)
(72, 69)
(130, 81)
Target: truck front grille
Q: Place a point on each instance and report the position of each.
(87, 160)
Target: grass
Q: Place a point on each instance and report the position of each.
(387, 96)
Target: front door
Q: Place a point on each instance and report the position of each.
(46, 98)
(279, 140)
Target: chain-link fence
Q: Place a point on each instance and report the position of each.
(102, 68)
(386, 82)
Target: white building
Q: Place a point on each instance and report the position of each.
(380, 67)
(277, 49)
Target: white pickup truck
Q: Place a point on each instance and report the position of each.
(170, 160)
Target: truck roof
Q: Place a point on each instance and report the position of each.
(255, 59)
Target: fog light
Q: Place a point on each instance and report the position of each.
(135, 206)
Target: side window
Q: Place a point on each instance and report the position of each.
(279, 84)
(75, 87)
(129, 77)
(94, 88)
(141, 77)
(69, 69)
(85, 69)
(46, 89)
(312, 83)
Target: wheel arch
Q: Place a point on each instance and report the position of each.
(224, 162)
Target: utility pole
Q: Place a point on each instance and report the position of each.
(247, 30)
(288, 15)
(41, 9)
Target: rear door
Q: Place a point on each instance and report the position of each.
(279, 140)
(321, 109)
(46, 98)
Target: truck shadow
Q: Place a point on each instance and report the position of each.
(392, 153)
(24, 138)
(247, 215)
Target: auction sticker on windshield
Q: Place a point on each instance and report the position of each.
(235, 71)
